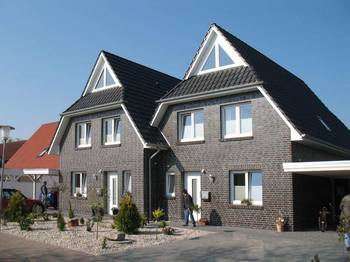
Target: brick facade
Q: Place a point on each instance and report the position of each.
(269, 147)
(128, 156)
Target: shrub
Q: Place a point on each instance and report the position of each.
(45, 216)
(168, 231)
(61, 224)
(16, 208)
(104, 243)
(89, 225)
(144, 220)
(25, 222)
(158, 214)
(70, 211)
(82, 221)
(128, 219)
(162, 224)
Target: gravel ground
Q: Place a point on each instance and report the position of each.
(77, 238)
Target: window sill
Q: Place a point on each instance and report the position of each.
(83, 148)
(111, 145)
(252, 207)
(195, 142)
(239, 138)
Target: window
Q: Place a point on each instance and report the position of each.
(83, 131)
(111, 131)
(236, 120)
(217, 58)
(246, 185)
(126, 182)
(105, 79)
(324, 123)
(191, 126)
(170, 184)
(78, 183)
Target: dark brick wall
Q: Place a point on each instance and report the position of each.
(128, 156)
(266, 151)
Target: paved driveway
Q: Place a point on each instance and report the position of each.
(225, 244)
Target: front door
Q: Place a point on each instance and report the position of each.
(112, 191)
(193, 186)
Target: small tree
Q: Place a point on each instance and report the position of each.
(61, 224)
(70, 211)
(128, 219)
(16, 208)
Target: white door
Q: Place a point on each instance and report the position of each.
(112, 191)
(193, 186)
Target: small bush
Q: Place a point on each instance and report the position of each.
(70, 211)
(61, 224)
(82, 221)
(162, 224)
(168, 231)
(104, 243)
(45, 216)
(128, 219)
(89, 225)
(25, 222)
(144, 220)
(158, 214)
(16, 208)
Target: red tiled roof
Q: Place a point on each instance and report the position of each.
(28, 155)
(11, 149)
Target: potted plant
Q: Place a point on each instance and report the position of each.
(246, 202)
(280, 222)
(158, 214)
(197, 209)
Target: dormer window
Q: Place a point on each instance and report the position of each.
(217, 59)
(105, 80)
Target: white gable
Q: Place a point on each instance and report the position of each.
(216, 53)
(102, 77)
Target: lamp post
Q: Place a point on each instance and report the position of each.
(4, 135)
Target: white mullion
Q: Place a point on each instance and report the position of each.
(246, 186)
(83, 132)
(217, 62)
(238, 120)
(113, 120)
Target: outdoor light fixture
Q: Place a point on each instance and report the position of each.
(4, 136)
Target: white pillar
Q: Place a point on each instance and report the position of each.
(34, 186)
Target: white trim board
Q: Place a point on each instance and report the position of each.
(40, 171)
(317, 166)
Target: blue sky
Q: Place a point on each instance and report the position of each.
(47, 48)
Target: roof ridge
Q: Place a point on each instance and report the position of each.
(139, 64)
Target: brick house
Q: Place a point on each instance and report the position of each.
(238, 126)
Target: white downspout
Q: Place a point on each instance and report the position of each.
(150, 184)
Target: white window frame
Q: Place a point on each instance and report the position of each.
(74, 186)
(114, 120)
(103, 74)
(237, 108)
(217, 57)
(181, 126)
(129, 189)
(87, 139)
(167, 180)
(247, 187)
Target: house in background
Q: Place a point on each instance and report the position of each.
(11, 149)
(30, 166)
(237, 127)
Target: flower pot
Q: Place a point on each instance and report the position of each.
(203, 221)
(347, 240)
(74, 222)
(280, 227)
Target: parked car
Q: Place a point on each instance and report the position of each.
(32, 205)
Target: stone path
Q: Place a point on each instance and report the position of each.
(227, 244)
